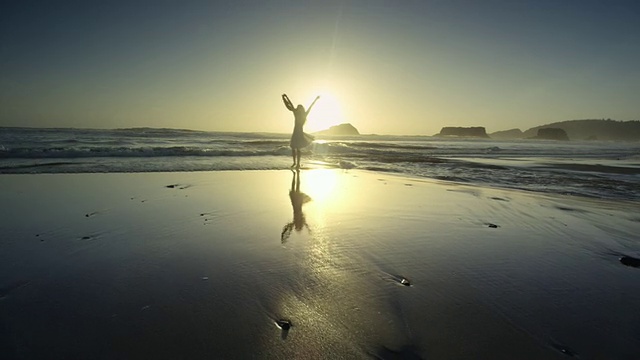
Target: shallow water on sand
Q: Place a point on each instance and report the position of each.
(196, 265)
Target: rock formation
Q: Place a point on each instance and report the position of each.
(342, 129)
(507, 134)
(552, 134)
(477, 131)
(594, 129)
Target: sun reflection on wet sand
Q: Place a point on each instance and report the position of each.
(331, 289)
(321, 185)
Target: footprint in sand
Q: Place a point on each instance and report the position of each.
(209, 216)
(284, 324)
(401, 280)
(177, 186)
(398, 279)
(565, 350)
(630, 261)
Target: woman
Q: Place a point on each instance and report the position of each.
(298, 139)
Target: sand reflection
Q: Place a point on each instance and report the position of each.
(319, 296)
(298, 199)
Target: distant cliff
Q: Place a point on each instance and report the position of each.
(507, 134)
(342, 129)
(593, 129)
(552, 134)
(477, 131)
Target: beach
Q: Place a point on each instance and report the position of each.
(330, 263)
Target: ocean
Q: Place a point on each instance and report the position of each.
(597, 169)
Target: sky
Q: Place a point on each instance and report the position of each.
(405, 67)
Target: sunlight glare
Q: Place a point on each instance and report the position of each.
(326, 112)
(320, 187)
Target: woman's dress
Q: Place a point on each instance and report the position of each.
(299, 138)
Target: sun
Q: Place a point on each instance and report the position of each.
(326, 112)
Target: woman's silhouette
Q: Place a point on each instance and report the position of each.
(298, 199)
(299, 138)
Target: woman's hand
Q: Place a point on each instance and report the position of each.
(287, 102)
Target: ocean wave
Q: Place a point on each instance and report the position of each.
(589, 169)
(597, 168)
(263, 142)
(372, 145)
(347, 165)
(16, 168)
(124, 152)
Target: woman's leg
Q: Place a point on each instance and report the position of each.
(298, 157)
(293, 155)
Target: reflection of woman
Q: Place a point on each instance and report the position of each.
(299, 138)
(297, 200)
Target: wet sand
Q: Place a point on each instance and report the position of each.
(333, 264)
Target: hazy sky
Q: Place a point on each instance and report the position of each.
(388, 67)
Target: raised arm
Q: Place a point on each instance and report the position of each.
(287, 102)
(313, 103)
